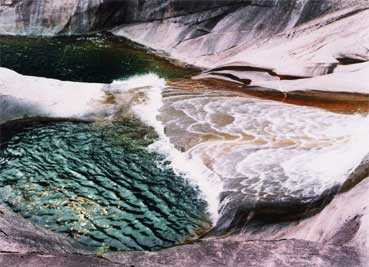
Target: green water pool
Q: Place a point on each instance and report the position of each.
(85, 59)
(95, 182)
(98, 184)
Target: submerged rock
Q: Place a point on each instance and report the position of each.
(336, 237)
(276, 162)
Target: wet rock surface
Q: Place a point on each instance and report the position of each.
(306, 48)
(18, 235)
(358, 174)
(335, 245)
(61, 260)
(225, 129)
(23, 244)
(206, 253)
(345, 221)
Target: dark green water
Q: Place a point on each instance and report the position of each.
(97, 184)
(86, 59)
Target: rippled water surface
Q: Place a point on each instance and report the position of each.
(265, 152)
(98, 184)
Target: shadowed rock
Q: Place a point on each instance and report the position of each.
(18, 235)
(228, 252)
(239, 212)
(360, 173)
(55, 260)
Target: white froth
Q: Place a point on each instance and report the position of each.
(275, 146)
(185, 164)
(335, 162)
(268, 145)
(33, 96)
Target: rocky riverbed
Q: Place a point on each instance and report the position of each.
(276, 124)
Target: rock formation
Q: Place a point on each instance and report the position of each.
(309, 48)
(259, 40)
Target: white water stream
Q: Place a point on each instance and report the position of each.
(255, 148)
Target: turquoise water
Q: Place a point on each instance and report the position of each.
(98, 184)
(86, 59)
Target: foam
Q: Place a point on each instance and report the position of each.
(185, 164)
(266, 147)
(33, 96)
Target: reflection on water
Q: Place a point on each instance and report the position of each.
(87, 59)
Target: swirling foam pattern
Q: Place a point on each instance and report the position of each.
(265, 151)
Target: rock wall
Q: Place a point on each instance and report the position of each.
(261, 33)
(247, 18)
(225, 34)
(344, 222)
(38, 17)
(257, 43)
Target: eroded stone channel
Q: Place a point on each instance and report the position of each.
(267, 159)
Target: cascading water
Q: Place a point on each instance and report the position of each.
(98, 182)
(105, 185)
(271, 157)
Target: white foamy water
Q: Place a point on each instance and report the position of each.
(250, 148)
(26, 96)
(147, 107)
(266, 150)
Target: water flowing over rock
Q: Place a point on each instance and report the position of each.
(276, 161)
(292, 181)
(231, 134)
